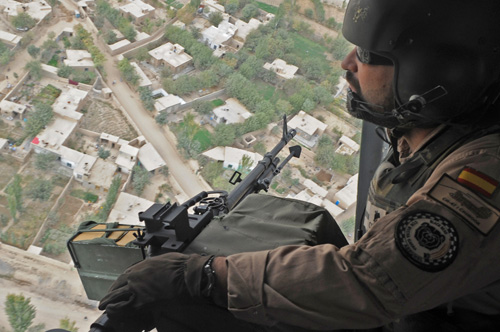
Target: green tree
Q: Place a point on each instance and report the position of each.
(110, 37)
(224, 135)
(309, 12)
(45, 161)
(103, 153)
(140, 179)
(40, 189)
(102, 215)
(67, 324)
(203, 107)
(35, 69)
(33, 51)
(250, 10)
(23, 20)
(215, 18)
(128, 72)
(64, 71)
(147, 98)
(14, 196)
(161, 118)
(245, 164)
(20, 312)
(41, 117)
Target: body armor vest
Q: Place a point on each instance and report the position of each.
(394, 183)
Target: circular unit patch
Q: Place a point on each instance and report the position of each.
(427, 240)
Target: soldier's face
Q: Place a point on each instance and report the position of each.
(371, 82)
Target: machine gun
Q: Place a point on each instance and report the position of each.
(172, 227)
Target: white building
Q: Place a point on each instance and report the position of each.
(127, 158)
(171, 56)
(346, 146)
(144, 81)
(216, 37)
(137, 11)
(347, 196)
(80, 59)
(127, 207)
(232, 157)
(282, 69)
(231, 112)
(70, 102)
(308, 128)
(150, 158)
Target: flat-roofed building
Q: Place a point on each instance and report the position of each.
(127, 158)
(70, 102)
(9, 39)
(12, 109)
(216, 37)
(231, 112)
(346, 146)
(36, 9)
(80, 59)
(150, 158)
(171, 56)
(169, 103)
(137, 11)
(232, 157)
(309, 129)
(243, 28)
(282, 69)
(122, 43)
(144, 81)
(101, 176)
(127, 207)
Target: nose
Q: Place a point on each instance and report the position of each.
(349, 63)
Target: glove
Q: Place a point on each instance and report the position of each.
(134, 296)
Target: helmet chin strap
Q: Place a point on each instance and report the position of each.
(403, 117)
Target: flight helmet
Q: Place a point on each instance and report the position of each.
(445, 53)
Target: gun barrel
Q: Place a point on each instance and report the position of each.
(247, 186)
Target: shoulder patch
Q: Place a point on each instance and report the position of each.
(427, 240)
(477, 181)
(466, 203)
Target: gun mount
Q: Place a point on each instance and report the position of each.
(171, 227)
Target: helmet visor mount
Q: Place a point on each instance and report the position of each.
(371, 58)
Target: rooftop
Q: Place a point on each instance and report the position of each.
(173, 54)
(68, 102)
(56, 133)
(150, 158)
(306, 123)
(281, 68)
(9, 38)
(144, 80)
(232, 111)
(78, 58)
(102, 173)
(127, 207)
(137, 8)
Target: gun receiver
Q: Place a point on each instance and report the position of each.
(170, 227)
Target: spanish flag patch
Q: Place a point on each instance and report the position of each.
(478, 181)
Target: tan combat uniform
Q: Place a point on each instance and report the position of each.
(441, 247)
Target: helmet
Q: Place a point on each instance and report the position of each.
(446, 56)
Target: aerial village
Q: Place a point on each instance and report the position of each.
(110, 106)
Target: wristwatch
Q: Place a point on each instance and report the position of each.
(209, 278)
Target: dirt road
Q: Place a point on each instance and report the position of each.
(54, 288)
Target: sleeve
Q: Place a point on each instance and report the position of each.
(440, 247)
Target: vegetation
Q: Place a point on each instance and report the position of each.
(14, 196)
(23, 21)
(40, 189)
(327, 158)
(102, 215)
(35, 69)
(140, 179)
(20, 312)
(45, 161)
(83, 39)
(67, 324)
(103, 153)
(114, 17)
(5, 54)
(128, 72)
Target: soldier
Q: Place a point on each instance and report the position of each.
(429, 72)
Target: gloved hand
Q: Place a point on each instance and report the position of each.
(173, 278)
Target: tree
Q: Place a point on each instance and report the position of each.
(161, 118)
(203, 107)
(128, 72)
(40, 189)
(67, 324)
(41, 117)
(309, 12)
(14, 196)
(33, 51)
(23, 21)
(45, 161)
(103, 153)
(20, 312)
(140, 179)
(245, 164)
(64, 71)
(224, 135)
(147, 98)
(110, 37)
(215, 18)
(35, 69)
(250, 10)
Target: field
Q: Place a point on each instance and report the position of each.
(267, 8)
